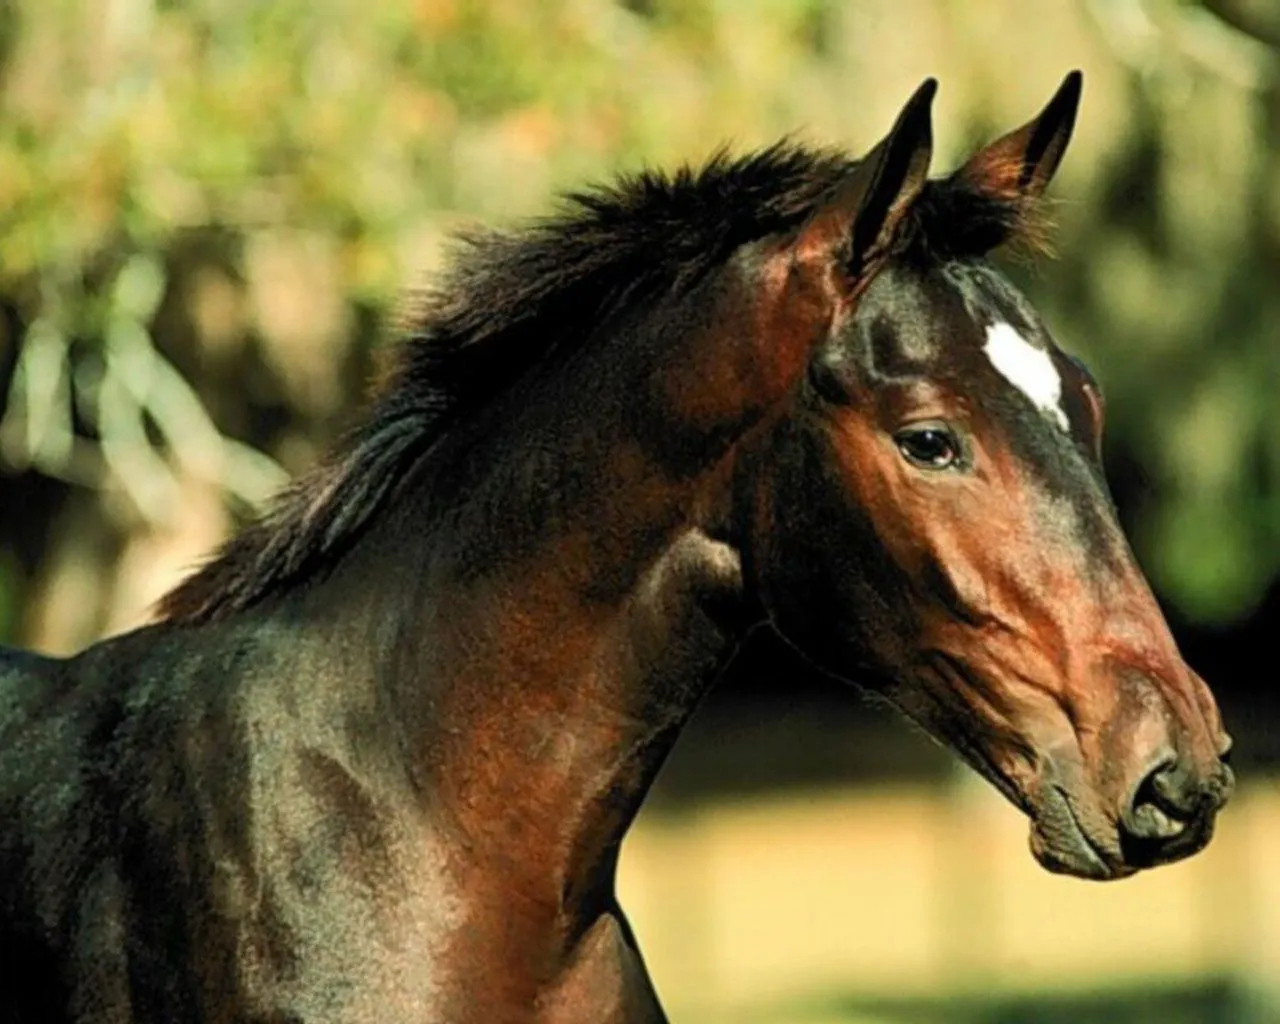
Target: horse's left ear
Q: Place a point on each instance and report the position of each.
(859, 219)
(1020, 165)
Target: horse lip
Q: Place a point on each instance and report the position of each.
(1085, 858)
(1194, 837)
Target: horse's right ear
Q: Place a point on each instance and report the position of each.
(859, 219)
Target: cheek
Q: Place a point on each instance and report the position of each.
(904, 535)
(821, 567)
(942, 540)
(910, 520)
(958, 581)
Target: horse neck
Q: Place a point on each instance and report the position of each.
(555, 588)
(556, 690)
(571, 603)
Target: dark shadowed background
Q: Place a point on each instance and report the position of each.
(212, 218)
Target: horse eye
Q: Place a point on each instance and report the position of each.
(933, 447)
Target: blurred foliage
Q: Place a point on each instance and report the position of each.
(208, 211)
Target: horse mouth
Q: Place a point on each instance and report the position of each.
(1072, 831)
(1061, 843)
(1059, 840)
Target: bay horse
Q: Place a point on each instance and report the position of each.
(375, 761)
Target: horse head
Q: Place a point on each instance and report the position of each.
(929, 514)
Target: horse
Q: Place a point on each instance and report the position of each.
(374, 761)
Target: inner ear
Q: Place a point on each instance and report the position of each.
(1019, 165)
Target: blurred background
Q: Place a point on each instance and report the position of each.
(211, 213)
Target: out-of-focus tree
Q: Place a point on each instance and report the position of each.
(209, 211)
(1174, 263)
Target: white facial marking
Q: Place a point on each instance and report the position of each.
(1027, 368)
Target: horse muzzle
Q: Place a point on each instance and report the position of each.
(1166, 811)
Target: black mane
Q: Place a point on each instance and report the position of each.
(513, 299)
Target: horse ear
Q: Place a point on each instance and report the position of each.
(859, 219)
(1020, 165)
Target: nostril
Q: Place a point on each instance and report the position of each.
(1167, 787)
(1223, 780)
(1147, 821)
(1157, 809)
(1170, 812)
(1223, 785)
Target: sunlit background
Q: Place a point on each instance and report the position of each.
(210, 216)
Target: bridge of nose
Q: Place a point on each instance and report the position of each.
(1154, 741)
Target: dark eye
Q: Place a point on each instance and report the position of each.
(929, 447)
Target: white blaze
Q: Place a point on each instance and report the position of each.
(1027, 368)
